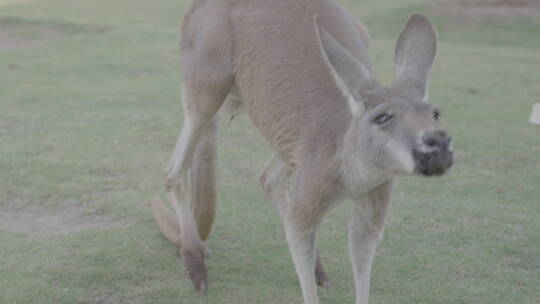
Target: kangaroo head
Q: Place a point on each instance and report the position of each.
(393, 128)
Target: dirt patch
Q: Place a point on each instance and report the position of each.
(18, 33)
(504, 10)
(37, 220)
(27, 36)
(13, 125)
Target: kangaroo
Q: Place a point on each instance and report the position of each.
(300, 69)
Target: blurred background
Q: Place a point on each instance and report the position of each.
(90, 110)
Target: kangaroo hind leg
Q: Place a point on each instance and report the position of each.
(195, 149)
(208, 78)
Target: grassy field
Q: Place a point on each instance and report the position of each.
(89, 112)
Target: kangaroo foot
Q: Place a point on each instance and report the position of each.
(320, 274)
(194, 262)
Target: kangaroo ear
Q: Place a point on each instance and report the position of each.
(415, 52)
(350, 74)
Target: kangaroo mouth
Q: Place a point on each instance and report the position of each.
(434, 163)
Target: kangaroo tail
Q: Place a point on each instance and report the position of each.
(203, 180)
(203, 190)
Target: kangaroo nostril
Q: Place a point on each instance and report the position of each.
(438, 139)
(430, 141)
(441, 133)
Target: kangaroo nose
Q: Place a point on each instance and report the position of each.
(437, 139)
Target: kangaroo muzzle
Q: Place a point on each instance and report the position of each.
(435, 155)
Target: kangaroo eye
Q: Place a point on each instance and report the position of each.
(382, 119)
(436, 115)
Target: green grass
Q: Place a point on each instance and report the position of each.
(89, 117)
